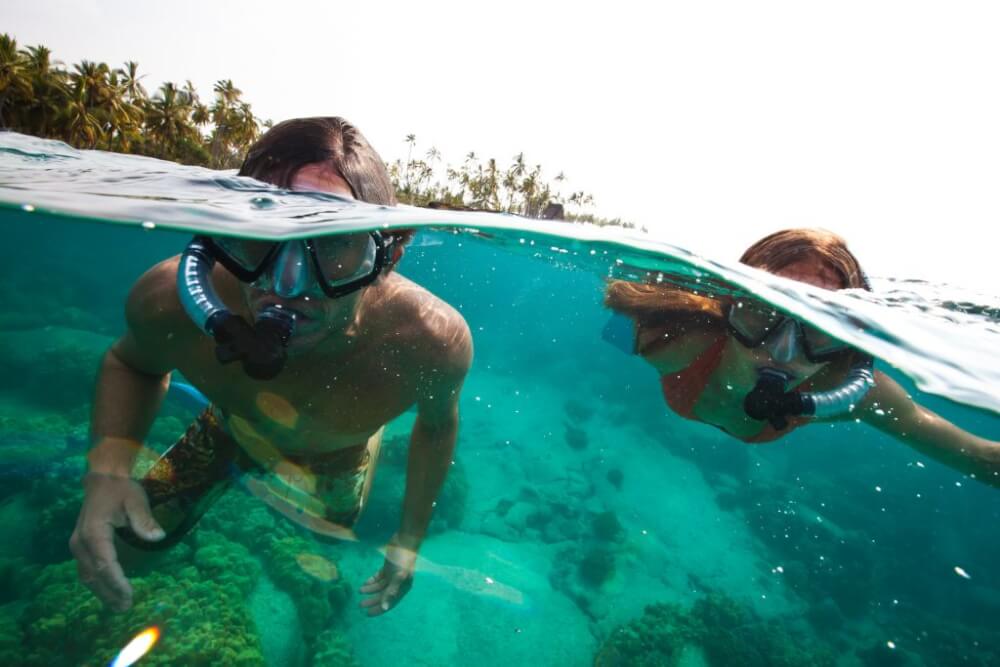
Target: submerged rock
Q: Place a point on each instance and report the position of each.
(277, 620)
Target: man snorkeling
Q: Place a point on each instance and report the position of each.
(304, 350)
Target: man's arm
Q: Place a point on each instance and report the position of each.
(131, 383)
(888, 408)
(126, 401)
(432, 446)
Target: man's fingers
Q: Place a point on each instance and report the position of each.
(374, 583)
(93, 580)
(103, 566)
(373, 587)
(371, 602)
(90, 579)
(140, 518)
(390, 595)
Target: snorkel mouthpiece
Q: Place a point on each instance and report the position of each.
(768, 401)
(260, 348)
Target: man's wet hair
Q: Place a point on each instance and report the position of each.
(325, 140)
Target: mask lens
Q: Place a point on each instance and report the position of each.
(754, 321)
(345, 258)
(248, 253)
(819, 342)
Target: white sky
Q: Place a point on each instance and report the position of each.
(712, 123)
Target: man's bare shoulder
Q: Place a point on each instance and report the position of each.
(153, 305)
(431, 327)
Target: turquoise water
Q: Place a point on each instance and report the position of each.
(582, 522)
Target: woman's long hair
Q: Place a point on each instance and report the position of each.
(679, 310)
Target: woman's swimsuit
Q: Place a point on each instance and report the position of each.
(325, 493)
(683, 389)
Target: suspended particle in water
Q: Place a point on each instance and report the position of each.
(920, 464)
(146, 224)
(28, 208)
(891, 644)
(962, 573)
(878, 489)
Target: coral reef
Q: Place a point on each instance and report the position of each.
(723, 630)
(57, 495)
(576, 437)
(288, 557)
(333, 651)
(318, 601)
(51, 366)
(203, 622)
(597, 566)
(37, 299)
(606, 527)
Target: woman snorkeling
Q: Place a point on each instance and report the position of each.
(739, 365)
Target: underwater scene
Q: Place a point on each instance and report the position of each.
(583, 520)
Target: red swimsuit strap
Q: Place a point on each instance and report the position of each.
(683, 388)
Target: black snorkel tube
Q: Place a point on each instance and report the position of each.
(260, 347)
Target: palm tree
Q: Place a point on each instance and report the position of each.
(228, 93)
(168, 121)
(82, 128)
(131, 82)
(235, 126)
(50, 93)
(15, 81)
(91, 80)
(122, 118)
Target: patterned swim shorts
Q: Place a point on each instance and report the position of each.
(324, 493)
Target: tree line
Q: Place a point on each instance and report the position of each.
(93, 105)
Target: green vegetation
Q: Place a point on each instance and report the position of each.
(95, 106)
(723, 631)
(204, 621)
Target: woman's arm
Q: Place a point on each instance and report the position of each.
(888, 408)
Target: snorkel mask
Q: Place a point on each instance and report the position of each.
(337, 265)
(753, 325)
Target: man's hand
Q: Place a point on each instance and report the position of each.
(109, 502)
(388, 586)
